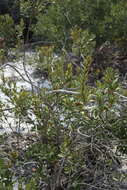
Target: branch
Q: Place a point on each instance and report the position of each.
(62, 91)
(38, 43)
(120, 95)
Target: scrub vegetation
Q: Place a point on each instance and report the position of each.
(78, 136)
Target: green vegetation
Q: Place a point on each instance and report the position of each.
(79, 126)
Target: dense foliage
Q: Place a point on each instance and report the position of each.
(105, 19)
(78, 127)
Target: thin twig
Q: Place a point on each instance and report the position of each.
(13, 67)
(26, 73)
(79, 132)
